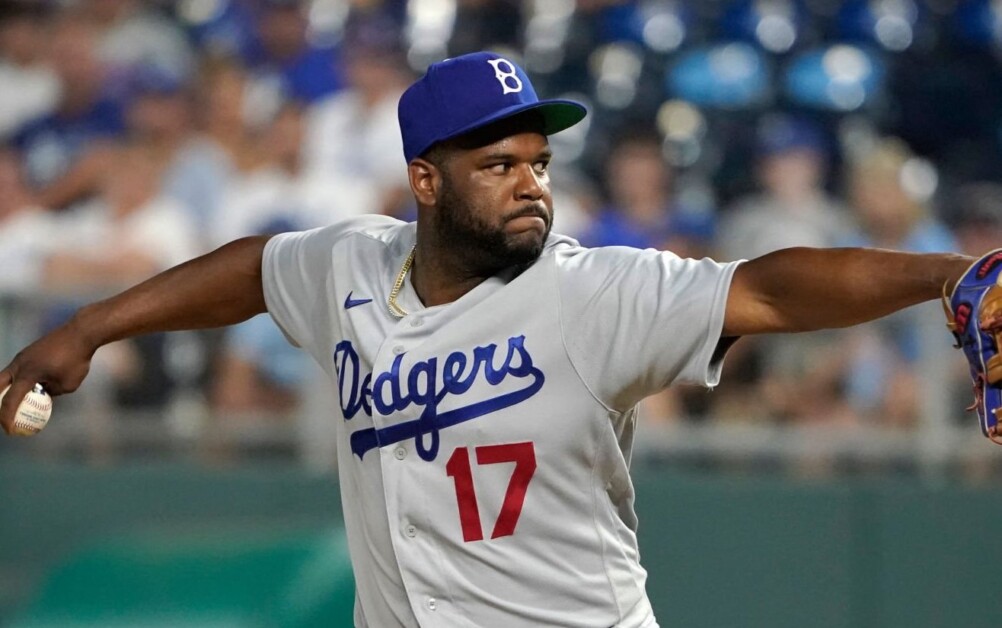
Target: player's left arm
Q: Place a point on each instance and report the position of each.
(804, 289)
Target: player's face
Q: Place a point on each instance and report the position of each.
(495, 201)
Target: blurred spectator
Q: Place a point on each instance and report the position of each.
(890, 189)
(353, 137)
(792, 208)
(14, 194)
(126, 234)
(486, 24)
(195, 170)
(278, 195)
(199, 132)
(224, 109)
(23, 228)
(642, 211)
(978, 217)
(799, 377)
(345, 157)
(576, 199)
(30, 87)
(225, 29)
(284, 62)
(257, 370)
(65, 151)
(132, 33)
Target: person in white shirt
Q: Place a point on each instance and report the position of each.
(352, 135)
(30, 87)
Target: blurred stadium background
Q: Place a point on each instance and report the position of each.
(830, 480)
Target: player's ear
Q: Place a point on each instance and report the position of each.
(425, 180)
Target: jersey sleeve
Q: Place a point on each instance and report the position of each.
(294, 272)
(634, 321)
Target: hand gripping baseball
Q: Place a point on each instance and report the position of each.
(58, 361)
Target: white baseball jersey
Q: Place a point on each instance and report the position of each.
(484, 445)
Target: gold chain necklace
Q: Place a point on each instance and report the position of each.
(391, 303)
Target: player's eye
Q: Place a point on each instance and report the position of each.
(541, 167)
(499, 168)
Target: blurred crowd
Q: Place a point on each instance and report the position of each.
(136, 135)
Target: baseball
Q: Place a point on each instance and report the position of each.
(33, 413)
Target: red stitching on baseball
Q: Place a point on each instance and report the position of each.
(40, 405)
(24, 426)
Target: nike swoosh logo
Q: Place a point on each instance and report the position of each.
(350, 303)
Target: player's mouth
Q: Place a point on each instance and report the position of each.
(531, 218)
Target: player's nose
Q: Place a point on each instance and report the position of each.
(529, 186)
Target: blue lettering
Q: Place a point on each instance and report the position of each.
(485, 356)
(423, 394)
(391, 377)
(460, 386)
(517, 345)
(348, 368)
(366, 400)
(455, 364)
(424, 390)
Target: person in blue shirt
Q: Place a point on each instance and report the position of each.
(283, 58)
(890, 190)
(643, 211)
(62, 151)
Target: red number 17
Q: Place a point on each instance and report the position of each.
(458, 468)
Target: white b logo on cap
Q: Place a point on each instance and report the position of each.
(505, 75)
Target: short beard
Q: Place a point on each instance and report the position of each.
(483, 248)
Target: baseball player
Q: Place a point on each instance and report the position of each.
(488, 370)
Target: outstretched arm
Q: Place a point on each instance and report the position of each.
(221, 288)
(802, 289)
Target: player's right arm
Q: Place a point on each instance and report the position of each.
(221, 288)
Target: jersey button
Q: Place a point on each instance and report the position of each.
(397, 350)
(432, 604)
(410, 531)
(417, 321)
(399, 453)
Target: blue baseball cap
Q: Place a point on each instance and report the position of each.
(778, 134)
(465, 93)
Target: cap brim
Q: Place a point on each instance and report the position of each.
(557, 116)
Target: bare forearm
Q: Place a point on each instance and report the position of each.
(221, 288)
(218, 289)
(804, 289)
